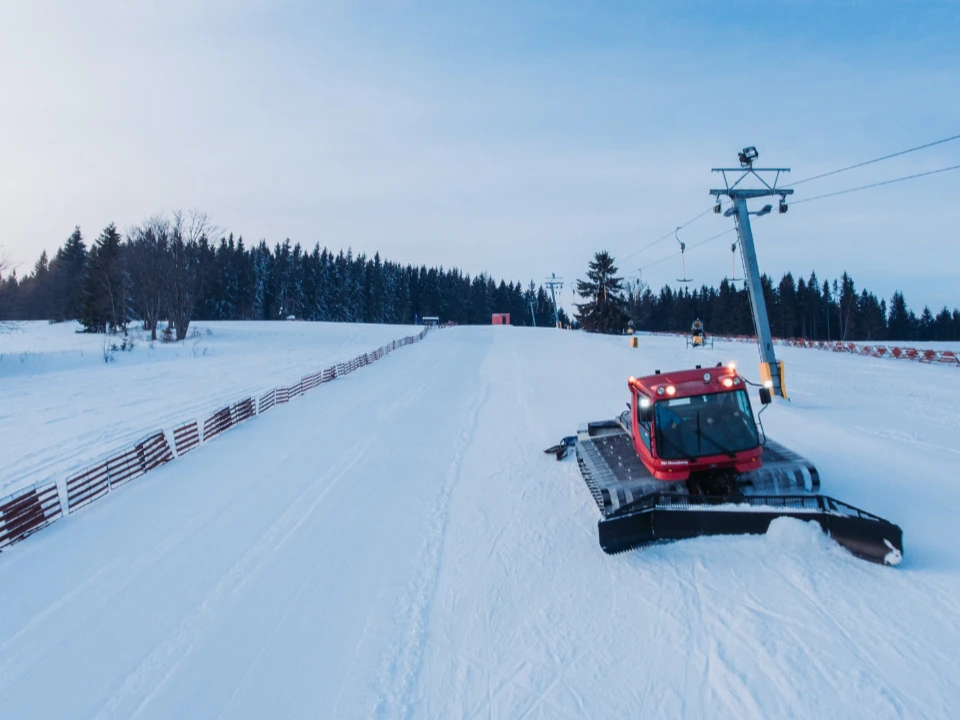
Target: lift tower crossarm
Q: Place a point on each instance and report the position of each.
(741, 213)
(750, 193)
(748, 170)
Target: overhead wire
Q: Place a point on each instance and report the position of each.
(796, 202)
(877, 184)
(690, 247)
(875, 160)
(667, 235)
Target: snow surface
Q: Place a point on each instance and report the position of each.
(62, 406)
(396, 544)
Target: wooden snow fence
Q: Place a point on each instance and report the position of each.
(294, 391)
(97, 480)
(186, 437)
(36, 506)
(225, 418)
(86, 486)
(267, 401)
(28, 510)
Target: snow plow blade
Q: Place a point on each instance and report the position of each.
(665, 517)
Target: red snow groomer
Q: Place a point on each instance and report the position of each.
(686, 459)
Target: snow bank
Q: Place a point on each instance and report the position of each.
(62, 406)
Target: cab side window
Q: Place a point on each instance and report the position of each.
(744, 404)
(643, 428)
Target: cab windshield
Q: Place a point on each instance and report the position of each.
(717, 424)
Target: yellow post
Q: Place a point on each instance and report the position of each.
(634, 341)
(766, 376)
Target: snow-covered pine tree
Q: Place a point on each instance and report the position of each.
(605, 308)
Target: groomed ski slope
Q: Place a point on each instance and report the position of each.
(397, 545)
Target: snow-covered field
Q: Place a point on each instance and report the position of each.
(397, 545)
(62, 406)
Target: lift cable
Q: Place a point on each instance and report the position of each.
(667, 235)
(690, 247)
(796, 202)
(875, 160)
(877, 184)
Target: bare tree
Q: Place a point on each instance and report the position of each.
(196, 227)
(148, 263)
(188, 237)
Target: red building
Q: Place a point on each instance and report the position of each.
(500, 319)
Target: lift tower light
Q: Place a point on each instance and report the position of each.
(747, 156)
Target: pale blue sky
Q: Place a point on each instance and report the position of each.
(515, 138)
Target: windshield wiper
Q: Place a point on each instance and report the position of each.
(679, 448)
(727, 451)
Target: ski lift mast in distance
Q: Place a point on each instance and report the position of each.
(741, 214)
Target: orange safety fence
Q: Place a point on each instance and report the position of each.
(945, 357)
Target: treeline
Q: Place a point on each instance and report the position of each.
(173, 271)
(804, 308)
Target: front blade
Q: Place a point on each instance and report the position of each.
(668, 518)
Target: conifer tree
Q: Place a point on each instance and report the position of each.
(899, 325)
(104, 298)
(69, 268)
(605, 308)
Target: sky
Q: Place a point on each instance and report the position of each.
(511, 138)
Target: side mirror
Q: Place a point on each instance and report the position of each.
(765, 398)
